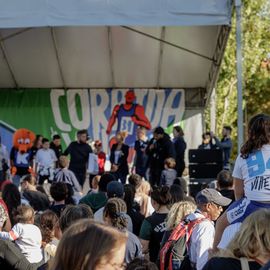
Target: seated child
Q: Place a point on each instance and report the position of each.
(26, 235)
(169, 174)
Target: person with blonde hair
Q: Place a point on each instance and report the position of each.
(142, 192)
(63, 174)
(119, 157)
(101, 248)
(250, 246)
(26, 235)
(176, 214)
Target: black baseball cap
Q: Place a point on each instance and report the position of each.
(115, 189)
(209, 195)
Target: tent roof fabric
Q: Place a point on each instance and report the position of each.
(38, 13)
(94, 44)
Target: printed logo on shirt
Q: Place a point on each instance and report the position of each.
(238, 211)
(160, 227)
(261, 183)
(127, 125)
(256, 164)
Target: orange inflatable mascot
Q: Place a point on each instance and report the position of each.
(21, 154)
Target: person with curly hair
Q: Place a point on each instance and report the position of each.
(176, 214)
(251, 175)
(114, 215)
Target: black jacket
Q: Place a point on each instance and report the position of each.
(123, 159)
(163, 149)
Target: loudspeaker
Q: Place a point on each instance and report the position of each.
(204, 170)
(205, 156)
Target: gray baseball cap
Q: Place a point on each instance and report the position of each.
(208, 195)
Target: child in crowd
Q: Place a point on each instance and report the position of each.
(94, 184)
(26, 235)
(169, 174)
(59, 193)
(49, 226)
(46, 161)
(63, 174)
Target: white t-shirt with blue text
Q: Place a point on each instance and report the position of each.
(255, 172)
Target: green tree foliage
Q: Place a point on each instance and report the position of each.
(256, 69)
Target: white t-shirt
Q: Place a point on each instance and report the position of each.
(28, 238)
(201, 240)
(46, 158)
(228, 235)
(255, 172)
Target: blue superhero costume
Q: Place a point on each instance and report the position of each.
(125, 123)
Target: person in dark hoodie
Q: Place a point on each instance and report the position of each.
(160, 148)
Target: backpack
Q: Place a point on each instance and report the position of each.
(173, 255)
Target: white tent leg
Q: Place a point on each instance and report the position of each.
(240, 132)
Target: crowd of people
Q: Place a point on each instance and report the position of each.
(141, 217)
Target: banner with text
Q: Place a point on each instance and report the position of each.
(102, 112)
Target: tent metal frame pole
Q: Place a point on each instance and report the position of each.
(111, 54)
(161, 49)
(56, 50)
(169, 43)
(240, 130)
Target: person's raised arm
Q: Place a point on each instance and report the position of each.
(224, 145)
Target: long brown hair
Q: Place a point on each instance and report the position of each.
(84, 244)
(47, 224)
(258, 134)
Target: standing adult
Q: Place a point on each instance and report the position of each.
(154, 226)
(79, 153)
(180, 147)
(159, 148)
(207, 142)
(225, 144)
(119, 157)
(141, 159)
(56, 146)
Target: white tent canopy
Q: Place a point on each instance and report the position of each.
(68, 44)
(37, 13)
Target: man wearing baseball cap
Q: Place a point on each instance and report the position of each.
(209, 207)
